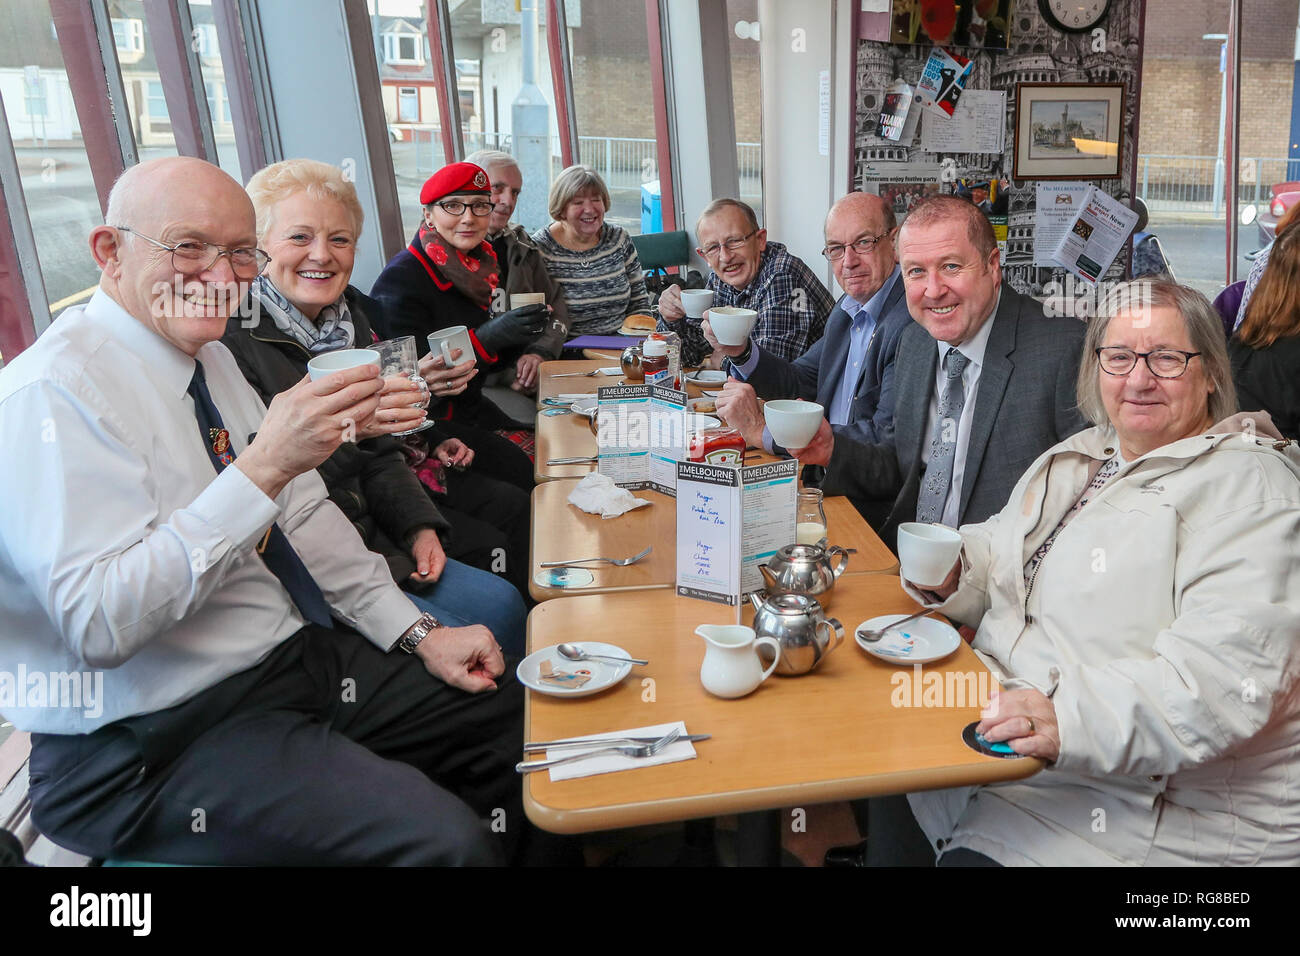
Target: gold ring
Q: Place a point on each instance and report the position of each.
(1031, 725)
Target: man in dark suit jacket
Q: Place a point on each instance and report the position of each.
(849, 371)
(1016, 368)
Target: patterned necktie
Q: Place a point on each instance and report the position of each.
(937, 480)
(275, 549)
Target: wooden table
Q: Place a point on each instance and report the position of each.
(562, 532)
(562, 436)
(834, 734)
(548, 386)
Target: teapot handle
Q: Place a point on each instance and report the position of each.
(843, 562)
(836, 636)
(776, 655)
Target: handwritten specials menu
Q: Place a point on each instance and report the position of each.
(729, 521)
(641, 435)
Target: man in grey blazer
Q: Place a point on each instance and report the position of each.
(849, 371)
(985, 381)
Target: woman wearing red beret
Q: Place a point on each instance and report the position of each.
(449, 276)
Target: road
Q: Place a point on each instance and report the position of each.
(1195, 250)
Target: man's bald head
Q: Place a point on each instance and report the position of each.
(171, 201)
(860, 218)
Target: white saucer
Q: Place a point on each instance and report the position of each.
(586, 405)
(708, 378)
(604, 674)
(918, 642)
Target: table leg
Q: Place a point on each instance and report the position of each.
(758, 838)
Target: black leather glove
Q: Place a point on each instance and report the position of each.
(516, 327)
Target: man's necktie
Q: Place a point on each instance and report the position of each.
(937, 480)
(275, 549)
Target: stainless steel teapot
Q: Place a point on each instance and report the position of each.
(800, 626)
(804, 569)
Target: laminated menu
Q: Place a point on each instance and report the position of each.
(729, 521)
(641, 435)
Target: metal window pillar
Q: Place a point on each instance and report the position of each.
(171, 31)
(438, 24)
(239, 41)
(85, 36)
(660, 85)
(24, 309)
(557, 44)
(1232, 131)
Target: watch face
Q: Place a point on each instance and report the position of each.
(1074, 16)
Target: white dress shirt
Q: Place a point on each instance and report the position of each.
(122, 549)
(973, 349)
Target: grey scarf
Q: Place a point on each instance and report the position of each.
(331, 330)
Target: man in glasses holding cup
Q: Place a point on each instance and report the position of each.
(751, 273)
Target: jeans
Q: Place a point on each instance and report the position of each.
(463, 595)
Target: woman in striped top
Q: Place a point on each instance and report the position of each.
(595, 262)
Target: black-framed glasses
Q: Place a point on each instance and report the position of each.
(454, 207)
(193, 256)
(1163, 363)
(731, 245)
(834, 251)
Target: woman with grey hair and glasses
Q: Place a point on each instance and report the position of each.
(1139, 600)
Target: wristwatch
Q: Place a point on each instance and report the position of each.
(417, 632)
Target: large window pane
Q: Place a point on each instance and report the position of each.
(506, 97)
(615, 108)
(55, 174)
(742, 19)
(150, 123)
(205, 44)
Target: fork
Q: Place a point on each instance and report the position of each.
(618, 562)
(632, 750)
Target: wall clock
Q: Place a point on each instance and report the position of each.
(1074, 16)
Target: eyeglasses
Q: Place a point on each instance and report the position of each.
(454, 207)
(731, 245)
(192, 256)
(1163, 363)
(835, 251)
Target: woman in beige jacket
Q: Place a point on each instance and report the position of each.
(1140, 597)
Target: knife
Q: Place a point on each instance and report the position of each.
(571, 461)
(537, 746)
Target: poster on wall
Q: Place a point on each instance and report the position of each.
(902, 184)
(942, 82)
(983, 23)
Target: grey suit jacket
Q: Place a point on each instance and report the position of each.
(816, 375)
(1025, 404)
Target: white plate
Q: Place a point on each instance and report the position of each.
(708, 378)
(586, 405)
(693, 406)
(697, 422)
(604, 674)
(917, 642)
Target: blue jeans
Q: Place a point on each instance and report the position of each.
(465, 595)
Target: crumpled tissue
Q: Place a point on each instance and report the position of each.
(598, 495)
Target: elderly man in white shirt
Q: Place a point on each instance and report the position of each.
(185, 570)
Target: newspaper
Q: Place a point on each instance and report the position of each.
(1096, 235)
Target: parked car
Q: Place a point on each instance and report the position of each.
(1284, 196)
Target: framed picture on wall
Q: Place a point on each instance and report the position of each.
(1066, 131)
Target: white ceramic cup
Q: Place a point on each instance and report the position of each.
(455, 337)
(327, 363)
(732, 325)
(695, 301)
(521, 299)
(792, 424)
(927, 552)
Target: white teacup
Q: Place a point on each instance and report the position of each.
(732, 325)
(695, 301)
(927, 552)
(455, 337)
(792, 424)
(327, 363)
(521, 299)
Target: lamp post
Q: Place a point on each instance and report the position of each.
(1223, 117)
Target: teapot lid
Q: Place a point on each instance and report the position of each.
(801, 552)
(790, 603)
